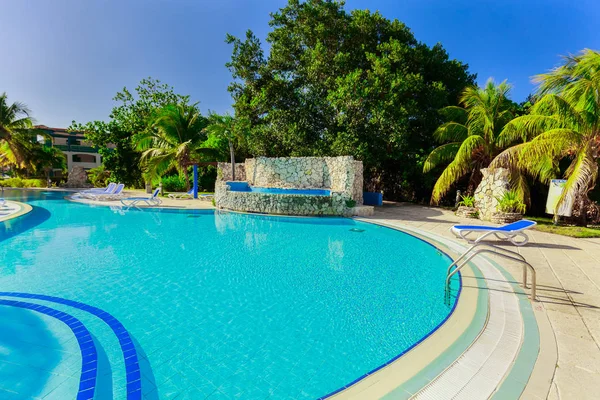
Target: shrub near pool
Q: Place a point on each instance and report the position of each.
(20, 183)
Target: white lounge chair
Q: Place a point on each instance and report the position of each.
(180, 196)
(206, 196)
(116, 195)
(107, 190)
(103, 195)
(508, 232)
(150, 201)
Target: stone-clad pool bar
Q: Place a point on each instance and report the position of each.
(292, 186)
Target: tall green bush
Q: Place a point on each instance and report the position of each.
(22, 183)
(98, 176)
(344, 82)
(174, 183)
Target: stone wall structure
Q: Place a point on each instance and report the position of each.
(343, 176)
(495, 182)
(224, 172)
(77, 178)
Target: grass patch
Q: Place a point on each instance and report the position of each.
(546, 225)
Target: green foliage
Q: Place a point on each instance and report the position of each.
(563, 124)
(548, 225)
(471, 137)
(511, 202)
(18, 138)
(177, 138)
(467, 201)
(46, 159)
(207, 176)
(174, 183)
(23, 183)
(99, 176)
(134, 114)
(344, 83)
(350, 203)
(227, 129)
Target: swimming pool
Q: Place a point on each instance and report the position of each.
(245, 187)
(199, 304)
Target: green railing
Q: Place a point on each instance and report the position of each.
(76, 148)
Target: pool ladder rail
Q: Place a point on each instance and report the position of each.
(479, 248)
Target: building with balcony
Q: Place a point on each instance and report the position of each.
(78, 151)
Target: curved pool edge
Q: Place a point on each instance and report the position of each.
(527, 372)
(425, 374)
(415, 367)
(24, 209)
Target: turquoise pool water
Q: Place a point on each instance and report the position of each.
(245, 187)
(212, 306)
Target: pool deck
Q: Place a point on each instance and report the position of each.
(14, 209)
(568, 306)
(166, 202)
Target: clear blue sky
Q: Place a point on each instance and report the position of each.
(67, 58)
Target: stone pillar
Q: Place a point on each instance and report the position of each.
(495, 182)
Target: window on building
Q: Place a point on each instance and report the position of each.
(86, 158)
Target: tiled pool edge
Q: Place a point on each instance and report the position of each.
(423, 377)
(380, 383)
(24, 209)
(526, 360)
(514, 384)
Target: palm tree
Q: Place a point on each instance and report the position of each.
(16, 133)
(175, 139)
(47, 158)
(471, 136)
(230, 128)
(564, 123)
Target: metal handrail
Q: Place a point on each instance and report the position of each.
(481, 244)
(495, 251)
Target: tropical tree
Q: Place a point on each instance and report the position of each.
(470, 137)
(134, 112)
(229, 128)
(175, 139)
(17, 134)
(564, 123)
(333, 81)
(46, 159)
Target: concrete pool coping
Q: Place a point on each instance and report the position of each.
(24, 208)
(418, 366)
(531, 373)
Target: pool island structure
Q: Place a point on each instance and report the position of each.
(310, 186)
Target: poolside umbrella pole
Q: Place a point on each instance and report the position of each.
(195, 181)
(195, 165)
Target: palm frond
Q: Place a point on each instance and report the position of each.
(460, 166)
(526, 127)
(580, 175)
(455, 114)
(440, 155)
(451, 132)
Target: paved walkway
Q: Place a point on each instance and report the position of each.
(568, 292)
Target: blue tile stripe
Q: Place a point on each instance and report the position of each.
(89, 355)
(132, 366)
